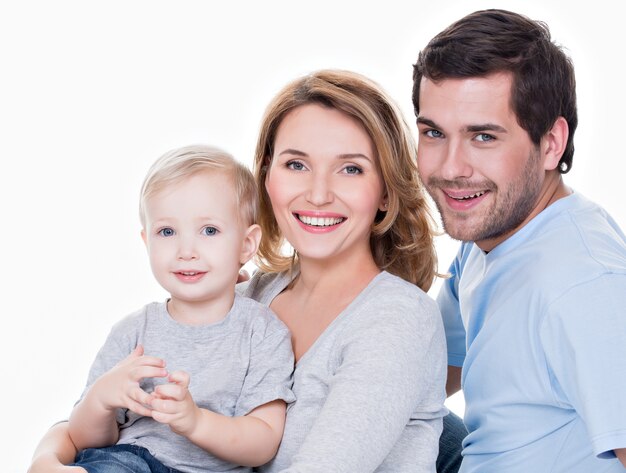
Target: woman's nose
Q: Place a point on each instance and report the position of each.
(319, 191)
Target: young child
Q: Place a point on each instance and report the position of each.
(198, 383)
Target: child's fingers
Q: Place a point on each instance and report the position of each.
(180, 377)
(138, 351)
(171, 391)
(141, 372)
(140, 396)
(165, 406)
(140, 409)
(161, 417)
(150, 361)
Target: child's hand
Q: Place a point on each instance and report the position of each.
(119, 387)
(173, 404)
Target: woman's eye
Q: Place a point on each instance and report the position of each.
(484, 137)
(209, 231)
(353, 170)
(295, 165)
(166, 232)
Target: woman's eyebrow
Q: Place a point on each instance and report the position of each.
(354, 156)
(296, 152)
(292, 151)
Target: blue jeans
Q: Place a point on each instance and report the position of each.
(120, 459)
(449, 459)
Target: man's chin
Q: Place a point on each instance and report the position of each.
(460, 231)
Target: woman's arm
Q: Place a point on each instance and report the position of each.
(54, 451)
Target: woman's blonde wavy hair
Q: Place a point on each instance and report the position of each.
(402, 237)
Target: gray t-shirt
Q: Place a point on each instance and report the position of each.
(370, 390)
(235, 365)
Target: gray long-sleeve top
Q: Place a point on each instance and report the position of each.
(370, 391)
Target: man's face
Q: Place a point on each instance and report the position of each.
(480, 167)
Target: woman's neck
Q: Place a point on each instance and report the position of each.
(324, 276)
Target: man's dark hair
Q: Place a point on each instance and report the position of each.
(491, 41)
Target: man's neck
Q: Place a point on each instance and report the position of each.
(554, 189)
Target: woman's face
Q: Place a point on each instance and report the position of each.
(324, 183)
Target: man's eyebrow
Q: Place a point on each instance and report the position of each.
(485, 127)
(427, 122)
(468, 128)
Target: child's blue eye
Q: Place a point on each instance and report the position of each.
(166, 232)
(210, 231)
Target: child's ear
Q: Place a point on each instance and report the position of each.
(250, 243)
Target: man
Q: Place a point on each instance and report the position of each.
(535, 308)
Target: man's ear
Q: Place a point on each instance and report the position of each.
(553, 144)
(250, 243)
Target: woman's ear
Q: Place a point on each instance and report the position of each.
(553, 144)
(384, 203)
(144, 237)
(250, 243)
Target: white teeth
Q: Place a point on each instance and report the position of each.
(188, 273)
(471, 196)
(320, 221)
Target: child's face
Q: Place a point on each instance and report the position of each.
(195, 240)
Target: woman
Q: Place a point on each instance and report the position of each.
(335, 165)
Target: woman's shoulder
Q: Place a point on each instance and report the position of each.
(393, 291)
(390, 301)
(263, 287)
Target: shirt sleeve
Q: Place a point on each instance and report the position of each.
(391, 374)
(448, 301)
(270, 370)
(583, 336)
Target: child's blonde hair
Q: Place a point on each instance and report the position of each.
(182, 163)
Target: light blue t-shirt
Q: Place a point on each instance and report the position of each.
(539, 326)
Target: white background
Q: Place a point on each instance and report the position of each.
(92, 92)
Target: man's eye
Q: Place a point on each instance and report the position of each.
(433, 134)
(484, 137)
(209, 231)
(166, 232)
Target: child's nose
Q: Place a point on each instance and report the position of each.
(186, 250)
